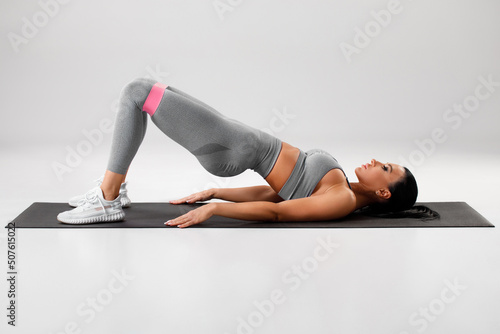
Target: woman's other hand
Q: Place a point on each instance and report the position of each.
(193, 217)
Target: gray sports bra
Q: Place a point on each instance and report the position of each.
(310, 168)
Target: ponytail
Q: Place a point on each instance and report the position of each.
(421, 212)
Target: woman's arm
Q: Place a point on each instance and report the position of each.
(248, 194)
(329, 206)
(245, 194)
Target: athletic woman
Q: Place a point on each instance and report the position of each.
(303, 186)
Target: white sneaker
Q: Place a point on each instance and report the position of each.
(78, 200)
(94, 209)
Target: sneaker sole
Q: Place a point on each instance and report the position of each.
(114, 217)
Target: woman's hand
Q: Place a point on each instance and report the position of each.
(193, 217)
(201, 196)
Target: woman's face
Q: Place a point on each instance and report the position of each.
(376, 176)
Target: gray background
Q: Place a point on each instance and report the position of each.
(262, 59)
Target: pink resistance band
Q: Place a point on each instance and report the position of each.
(154, 98)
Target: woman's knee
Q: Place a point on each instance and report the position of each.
(137, 90)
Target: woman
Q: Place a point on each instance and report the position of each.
(303, 186)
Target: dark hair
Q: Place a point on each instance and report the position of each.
(401, 203)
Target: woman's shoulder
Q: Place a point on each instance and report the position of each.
(334, 182)
(342, 194)
(339, 198)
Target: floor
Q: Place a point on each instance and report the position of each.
(399, 281)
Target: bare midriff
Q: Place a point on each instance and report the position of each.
(283, 167)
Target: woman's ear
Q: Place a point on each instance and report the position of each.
(383, 193)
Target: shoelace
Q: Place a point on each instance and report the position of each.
(98, 182)
(91, 198)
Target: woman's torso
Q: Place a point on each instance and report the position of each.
(286, 162)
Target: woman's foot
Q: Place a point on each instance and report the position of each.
(94, 209)
(125, 200)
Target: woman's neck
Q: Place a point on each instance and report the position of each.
(364, 197)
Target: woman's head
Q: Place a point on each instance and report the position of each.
(393, 186)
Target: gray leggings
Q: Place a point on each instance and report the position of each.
(223, 146)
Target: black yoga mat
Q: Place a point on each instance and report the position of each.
(150, 215)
